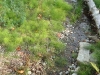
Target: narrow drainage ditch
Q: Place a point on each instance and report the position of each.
(74, 34)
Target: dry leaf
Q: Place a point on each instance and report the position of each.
(21, 71)
(18, 48)
(58, 35)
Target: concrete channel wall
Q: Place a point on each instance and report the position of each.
(95, 13)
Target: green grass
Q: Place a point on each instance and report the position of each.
(51, 13)
(76, 11)
(35, 23)
(97, 2)
(95, 49)
(86, 69)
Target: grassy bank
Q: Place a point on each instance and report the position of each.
(34, 25)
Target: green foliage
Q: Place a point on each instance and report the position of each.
(97, 2)
(86, 69)
(12, 12)
(74, 55)
(10, 39)
(35, 23)
(77, 11)
(95, 48)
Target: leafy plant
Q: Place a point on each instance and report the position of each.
(94, 66)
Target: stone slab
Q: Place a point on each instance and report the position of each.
(83, 55)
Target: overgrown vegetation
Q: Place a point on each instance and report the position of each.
(12, 12)
(88, 69)
(97, 2)
(33, 25)
(95, 49)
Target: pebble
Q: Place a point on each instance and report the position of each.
(21, 64)
(44, 64)
(65, 43)
(60, 73)
(76, 69)
(87, 40)
(62, 36)
(0, 47)
(69, 26)
(69, 69)
(29, 72)
(74, 74)
(73, 65)
(67, 72)
(72, 70)
(71, 32)
(33, 74)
